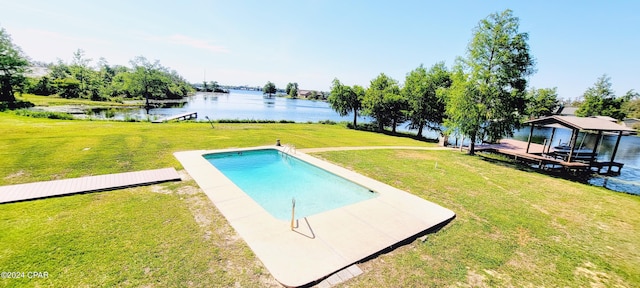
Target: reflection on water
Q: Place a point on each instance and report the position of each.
(240, 105)
(628, 153)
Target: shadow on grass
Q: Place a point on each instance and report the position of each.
(368, 127)
(555, 173)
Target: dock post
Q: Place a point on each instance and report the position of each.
(615, 151)
(529, 140)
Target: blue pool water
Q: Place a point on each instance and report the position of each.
(272, 179)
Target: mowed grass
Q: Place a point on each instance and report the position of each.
(162, 235)
(41, 149)
(513, 227)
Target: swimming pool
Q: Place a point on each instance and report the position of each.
(323, 243)
(273, 179)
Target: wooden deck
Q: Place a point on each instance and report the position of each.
(30, 191)
(183, 116)
(518, 150)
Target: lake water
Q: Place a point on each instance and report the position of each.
(246, 105)
(252, 105)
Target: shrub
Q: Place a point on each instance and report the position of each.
(328, 122)
(44, 114)
(252, 121)
(364, 126)
(18, 104)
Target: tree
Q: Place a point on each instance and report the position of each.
(542, 102)
(426, 105)
(293, 91)
(600, 100)
(344, 99)
(632, 106)
(154, 81)
(44, 86)
(383, 102)
(91, 82)
(490, 96)
(59, 70)
(288, 88)
(105, 77)
(214, 86)
(269, 88)
(68, 87)
(13, 65)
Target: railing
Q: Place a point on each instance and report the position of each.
(293, 212)
(289, 149)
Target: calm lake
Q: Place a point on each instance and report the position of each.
(246, 105)
(252, 105)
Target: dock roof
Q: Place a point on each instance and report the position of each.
(579, 123)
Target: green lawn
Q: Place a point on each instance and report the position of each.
(513, 227)
(38, 149)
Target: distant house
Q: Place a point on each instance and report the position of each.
(310, 94)
(304, 93)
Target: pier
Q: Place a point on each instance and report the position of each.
(517, 150)
(183, 116)
(569, 157)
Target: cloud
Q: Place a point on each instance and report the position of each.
(46, 45)
(184, 40)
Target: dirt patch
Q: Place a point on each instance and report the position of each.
(201, 210)
(188, 190)
(598, 278)
(475, 280)
(539, 208)
(523, 236)
(184, 175)
(524, 262)
(15, 175)
(160, 189)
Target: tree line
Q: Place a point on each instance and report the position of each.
(79, 79)
(104, 82)
(484, 96)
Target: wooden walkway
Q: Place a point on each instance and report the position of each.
(30, 191)
(183, 116)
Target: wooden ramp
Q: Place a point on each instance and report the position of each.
(30, 191)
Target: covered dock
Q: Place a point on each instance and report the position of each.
(569, 156)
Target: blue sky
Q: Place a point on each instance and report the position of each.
(313, 42)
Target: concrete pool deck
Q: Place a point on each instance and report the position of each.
(324, 243)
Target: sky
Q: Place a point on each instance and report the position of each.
(239, 42)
